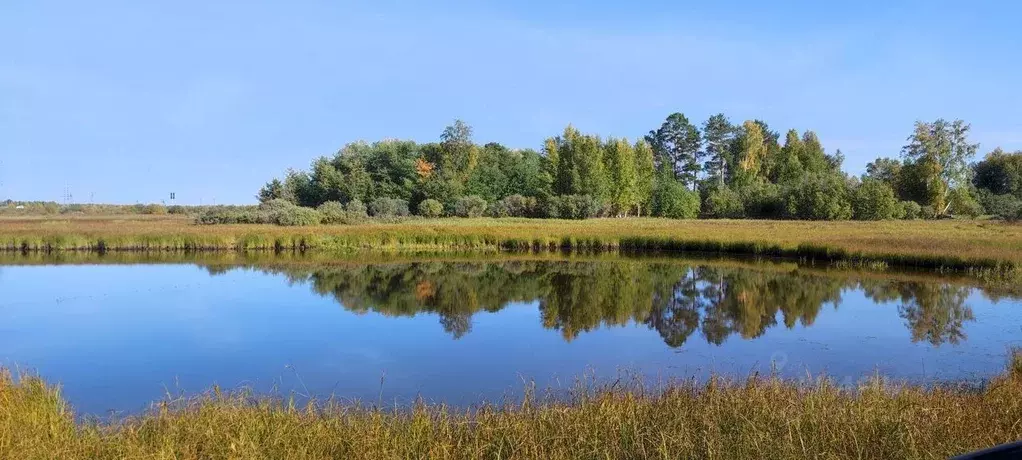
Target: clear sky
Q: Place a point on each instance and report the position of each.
(126, 101)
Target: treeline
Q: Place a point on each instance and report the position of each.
(679, 170)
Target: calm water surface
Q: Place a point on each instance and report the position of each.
(120, 336)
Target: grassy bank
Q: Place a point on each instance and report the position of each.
(758, 418)
(949, 244)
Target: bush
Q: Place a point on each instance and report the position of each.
(177, 209)
(724, 203)
(430, 208)
(671, 199)
(819, 197)
(230, 215)
(276, 205)
(470, 206)
(296, 216)
(926, 212)
(333, 213)
(761, 201)
(1007, 207)
(910, 210)
(515, 206)
(874, 200)
(154, 209)
(388, 207)
(356, 209)
(577, 206)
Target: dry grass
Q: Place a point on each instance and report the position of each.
(947, 243)
(757, 418)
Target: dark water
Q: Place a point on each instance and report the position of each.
(120, 336)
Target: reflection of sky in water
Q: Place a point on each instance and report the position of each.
(119, 336)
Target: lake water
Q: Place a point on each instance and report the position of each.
(118, 336)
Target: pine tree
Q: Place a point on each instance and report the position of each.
(677, 146)
(718, 133)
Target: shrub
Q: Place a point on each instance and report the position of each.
(874, 200)
(819, 197)
(517, 206)
(1003, 206)
(296, 216)
(724, 203)
(573, 207)
(229, 215)
(926, 212)
(333, 212)
(671, 199)
(910, 210)
(276, 205)
(177, 209)
(761, 200)
(498, 209)
(388, 207)
(356, 209)
(470, 206)
(430, 208)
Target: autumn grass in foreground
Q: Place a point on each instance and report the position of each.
(757, 418)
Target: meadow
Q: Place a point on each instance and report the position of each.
(761, 417)
(937, 244)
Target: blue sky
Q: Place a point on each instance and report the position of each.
(125, 101)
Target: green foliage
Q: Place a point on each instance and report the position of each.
(875, 200)
(761, 200)
(296, 216)
(746, 172)
(677, 148)
(724, 203)
(333, 212)
(911, 210)
(752, 152)
(962, 201)
(1004, 206)
(388, 207)
(819, 197)
(572, 207)
(885, 170)
(673, 200)
(177, 210)
(355, 209)
(1000, 173)
(515, 206)
(718, 133)
(431, 208)
(623, 177)
(942, 151)
(645, 177)
(470, 206)
(927, 212)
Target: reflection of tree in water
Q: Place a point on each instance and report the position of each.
(673, 299)
(935, 313)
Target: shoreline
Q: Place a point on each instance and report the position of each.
(760, 417)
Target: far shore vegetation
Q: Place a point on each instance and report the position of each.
(760, 417)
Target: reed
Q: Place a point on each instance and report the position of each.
(761, 417)
(959, 245)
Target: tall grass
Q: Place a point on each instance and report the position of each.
(943, 245)
(761, 417)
